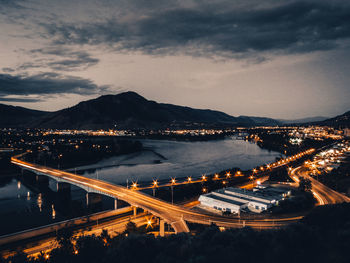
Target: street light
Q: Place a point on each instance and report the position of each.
(189, 179)
(173, 181)
(155, 184)
(149, 223)
(204, 177)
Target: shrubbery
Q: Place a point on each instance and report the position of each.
(322, 236)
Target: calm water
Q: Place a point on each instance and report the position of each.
(26, 201)
(166, 159)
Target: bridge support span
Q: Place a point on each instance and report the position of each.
(63, 187)
(93, 199)
(95, 188)
(161, 228)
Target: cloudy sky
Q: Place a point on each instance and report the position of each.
(281, 59)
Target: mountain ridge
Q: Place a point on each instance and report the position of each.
(130, 110)
(340, 121)
(127, 110)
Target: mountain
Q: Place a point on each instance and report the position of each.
(130, 110)
(340, 121)
(126, 110)
(261, 121)
(303, 120)
(12, 116)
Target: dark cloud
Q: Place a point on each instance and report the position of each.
(11, 4)
(61, 59)
(8, 70)
(24, 100)
(291, 27)
(81, 61)
(46, 84)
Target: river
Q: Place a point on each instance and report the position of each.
(26, 202)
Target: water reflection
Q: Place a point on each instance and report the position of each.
(53, 212)
(39, 202)
(170, 159)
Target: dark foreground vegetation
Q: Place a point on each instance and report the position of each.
(322, 236)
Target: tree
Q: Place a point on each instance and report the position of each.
(130, 228)
(105, 237)
(305, 184)
(64, 239)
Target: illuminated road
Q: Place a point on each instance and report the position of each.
(155, 206)
(172, 214)
(113, 227)
(322, 193)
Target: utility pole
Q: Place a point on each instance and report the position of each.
(172, 194)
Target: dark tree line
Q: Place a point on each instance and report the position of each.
(322, 236)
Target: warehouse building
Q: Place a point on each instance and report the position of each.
(235, 200)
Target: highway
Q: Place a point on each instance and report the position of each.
(322, 193)
(113, 227)
(174, 215)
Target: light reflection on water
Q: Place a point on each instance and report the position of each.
(40, 201)
(23, 206)
(170, 159)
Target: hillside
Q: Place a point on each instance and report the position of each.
(12, 116)
(130, 110)
(303, 120)
(262, 121)
(340, 121)
(126, 110)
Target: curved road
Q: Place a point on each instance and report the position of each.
(322, 193)
(178, 215)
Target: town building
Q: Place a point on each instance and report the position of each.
(235, 200)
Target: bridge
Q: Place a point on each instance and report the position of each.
(155, 206)
(175, 215)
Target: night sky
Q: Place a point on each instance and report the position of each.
(280, 59)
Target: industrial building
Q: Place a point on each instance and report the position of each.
(235, 200)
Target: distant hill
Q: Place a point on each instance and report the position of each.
(261, 121)
(12, 116)
(303, 120)
(130, 110)
(341, 121)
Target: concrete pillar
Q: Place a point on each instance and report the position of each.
(135, 210)
(63, 192)
(42, 182)
(115, 203)
(93, 198)
(161, 228)
(63, 187)
(42, 179)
